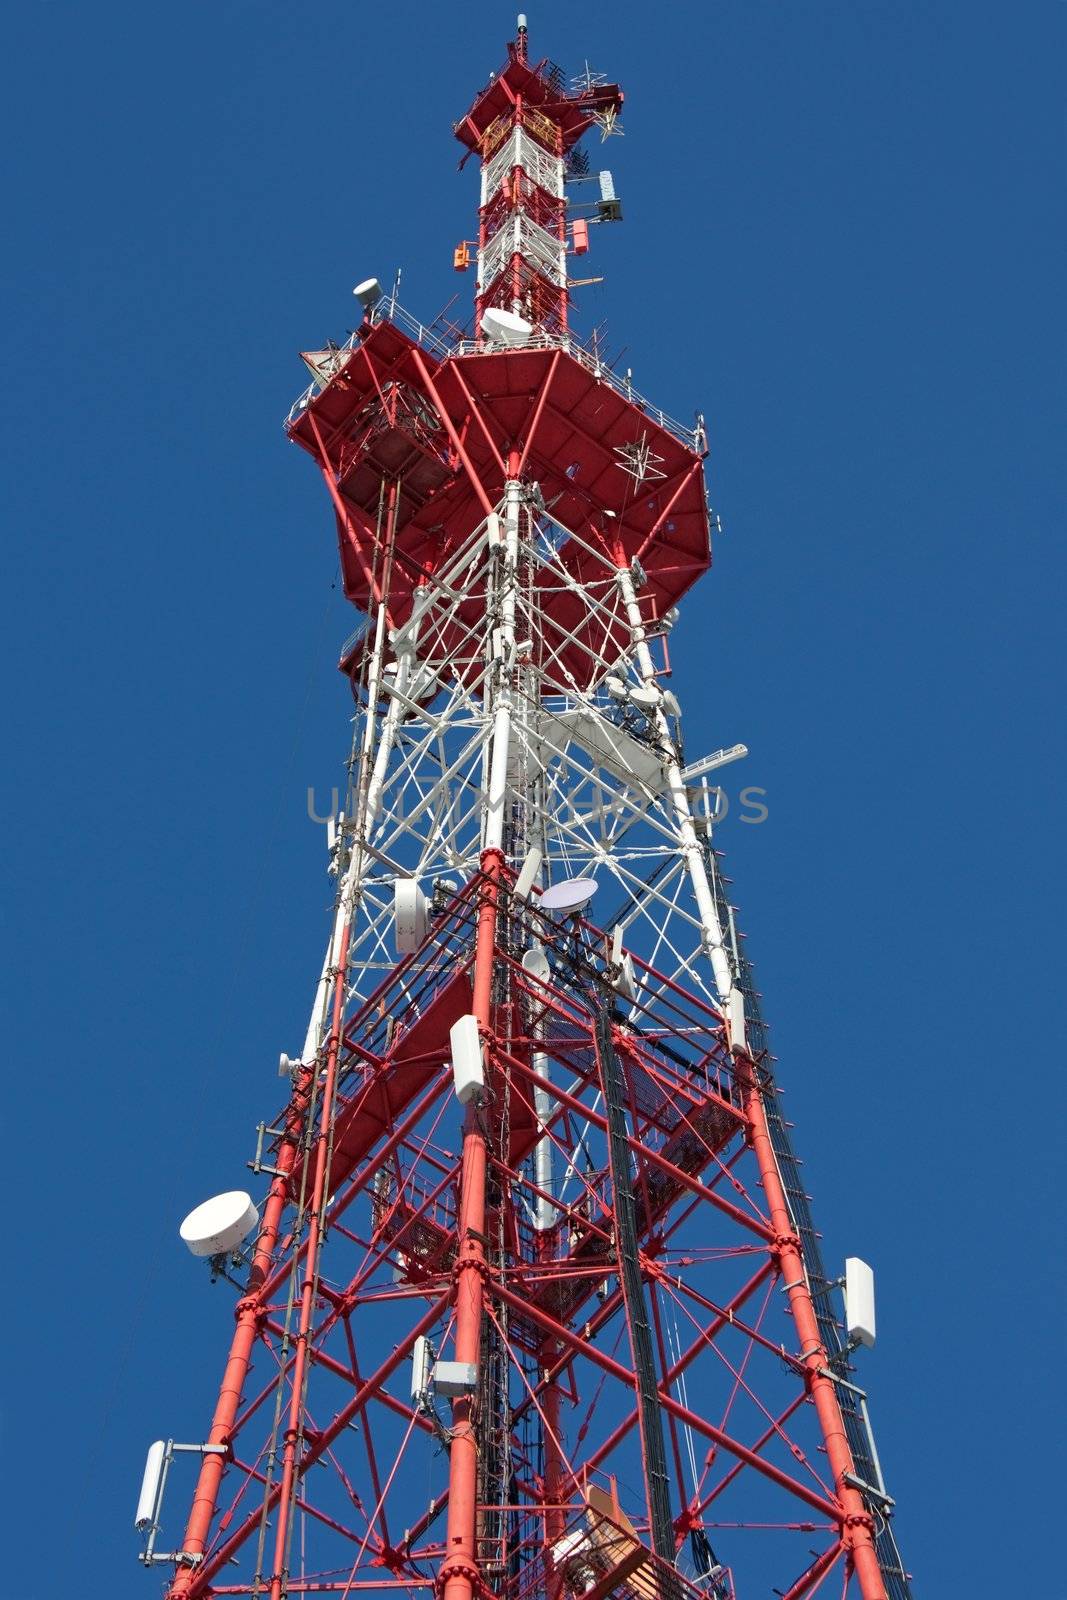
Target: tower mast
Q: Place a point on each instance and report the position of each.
(531, 1303)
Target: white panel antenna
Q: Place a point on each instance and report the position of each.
(421, 1361)
(625, 983)
(530, 868)
(859, 1302)
(411, 915)
(735, 1008)
(151, 1484)
(468, 1070)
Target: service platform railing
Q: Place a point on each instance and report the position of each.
(439, 339)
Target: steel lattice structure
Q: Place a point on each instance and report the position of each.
(571, 1337)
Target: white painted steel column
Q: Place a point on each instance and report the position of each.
(500, 668)
(688, 842)
(350, 884)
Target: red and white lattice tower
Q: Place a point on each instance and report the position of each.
(531, 1304)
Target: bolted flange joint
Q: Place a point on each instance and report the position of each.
(249, 1302)
(457, 1567)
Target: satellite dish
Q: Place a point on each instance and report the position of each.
(571, 895)
(535, 962)
(220, 1224)
(369, 292)
(504, 327)
(616, 686)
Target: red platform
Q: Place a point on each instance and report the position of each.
(442, 428)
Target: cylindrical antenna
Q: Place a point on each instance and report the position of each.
(148, 1499)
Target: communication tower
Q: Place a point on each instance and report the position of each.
(529, 1302)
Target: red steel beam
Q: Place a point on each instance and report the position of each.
(686, 1179)
(724, 1319)
(670, 1405)
(460, 1577)
(815, 1573)
(442, 411)
(294, 1431)
(199, 1578)
(858, 1527)
(765, 1437)
(249, 1310)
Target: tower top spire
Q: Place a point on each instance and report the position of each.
(524, 125)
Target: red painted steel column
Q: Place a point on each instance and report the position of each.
(316, 1229)
(857, 1530)
(249, 1312)
(555, 1467)
(459, 1576)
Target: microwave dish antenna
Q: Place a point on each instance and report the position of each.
(220, 1225)
(568, 896)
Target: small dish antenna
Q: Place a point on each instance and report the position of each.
(368, 293)
(573, 894)
(504, 327)
(221, 1224)
(535, 962)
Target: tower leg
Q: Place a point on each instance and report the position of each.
(857, 1533)
(459, 1575)
(249, 1309)
(309, 1286)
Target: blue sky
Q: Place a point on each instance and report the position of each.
(844, 229)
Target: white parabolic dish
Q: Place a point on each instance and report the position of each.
(535, 962)
(220, 1224)
(505, 327)
(570, 895)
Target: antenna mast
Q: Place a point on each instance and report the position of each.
(530, 1301)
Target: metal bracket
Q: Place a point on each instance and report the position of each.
(257, 1165)
(868, 1489)
(149, 1555)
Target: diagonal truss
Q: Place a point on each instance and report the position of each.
(476, 745)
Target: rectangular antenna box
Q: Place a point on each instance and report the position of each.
(859, 1301)
(467, 1068)
(455, 1378)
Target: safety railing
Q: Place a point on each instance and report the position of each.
(693, 438)
(389, 309)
